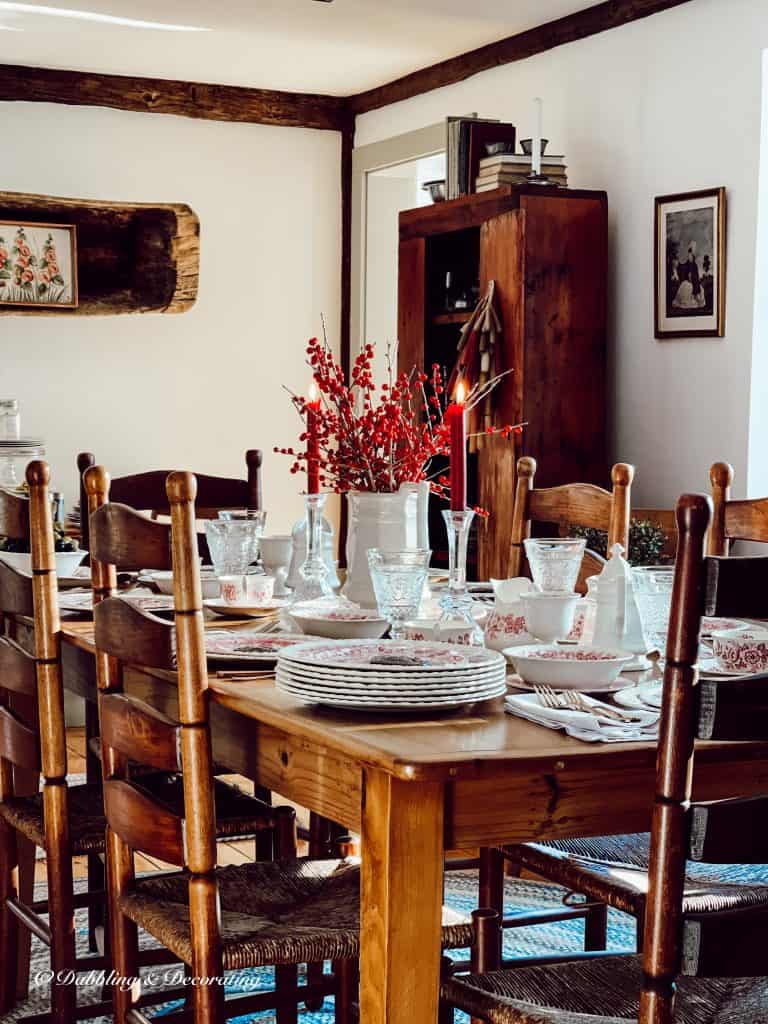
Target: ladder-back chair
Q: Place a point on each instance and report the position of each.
(182, 910)
(716, 943)
(614, 869)
(570, 504)
(64, 821)
(146, 491)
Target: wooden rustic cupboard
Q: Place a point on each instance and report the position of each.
(546, 249)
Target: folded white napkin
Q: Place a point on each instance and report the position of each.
(594, 727)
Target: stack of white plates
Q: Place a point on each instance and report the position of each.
(390, 675)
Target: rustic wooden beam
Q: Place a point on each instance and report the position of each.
(580, 25)
(131, 257)
(164, 96)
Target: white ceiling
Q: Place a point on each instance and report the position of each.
(300, 45)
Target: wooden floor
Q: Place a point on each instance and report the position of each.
(236, 851)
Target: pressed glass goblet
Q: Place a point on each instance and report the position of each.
(398, 579)
(233, 544)
(652, 589)
(555, 562)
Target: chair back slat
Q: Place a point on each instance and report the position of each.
(733, 709)
(17, 669)
(127, 539)
(736, 587)
(147, 491)
(133, 636)
(14, 515)
(15, 591)
(729, 831)
(18, 743)
(725, 944)
(747, 520)
(140, 732)
(142, 823)
(584, 504)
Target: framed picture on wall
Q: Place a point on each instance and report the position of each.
(38, 265)
(689, 299)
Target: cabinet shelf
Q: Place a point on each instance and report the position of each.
(459, 317)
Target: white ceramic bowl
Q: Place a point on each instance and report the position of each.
(567, 667)
(343, 625)
(741, 650)
(164, 583)
(424, 629)
(66, 561)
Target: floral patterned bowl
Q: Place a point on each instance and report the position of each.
(340, 623)
(741, 650)
(567, 667)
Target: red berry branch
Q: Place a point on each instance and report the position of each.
(377, 438)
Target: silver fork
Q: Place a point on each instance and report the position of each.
(577, 702)
(549, 698)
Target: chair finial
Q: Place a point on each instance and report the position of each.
(96, 480)
(721, 474)
(526, 466)
(181, 486)
(622, 474)
(254, 458)
(38, 473)
(693, 513)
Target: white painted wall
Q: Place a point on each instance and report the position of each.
(667, 104)
(191, 391)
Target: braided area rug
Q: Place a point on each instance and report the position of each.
(460, 893)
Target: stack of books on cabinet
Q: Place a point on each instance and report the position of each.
(514, 168)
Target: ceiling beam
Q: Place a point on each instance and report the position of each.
(588, 22)
(186, 99)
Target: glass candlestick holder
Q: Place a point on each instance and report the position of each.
(313, 574)
(457, 623)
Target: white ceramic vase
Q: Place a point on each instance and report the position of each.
(388, 521)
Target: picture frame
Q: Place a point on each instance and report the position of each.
(38, 265)
(690, 264)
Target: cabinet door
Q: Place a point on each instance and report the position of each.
(502, 259)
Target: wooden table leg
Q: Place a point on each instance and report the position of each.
(402, 895)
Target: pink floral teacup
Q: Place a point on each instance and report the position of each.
(259, 589)
(232, 588)
(741, 650)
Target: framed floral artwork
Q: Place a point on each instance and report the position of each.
(38, 265)
(690, 265)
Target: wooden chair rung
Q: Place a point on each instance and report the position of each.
(32, 921)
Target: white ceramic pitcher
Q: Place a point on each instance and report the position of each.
(388, 521)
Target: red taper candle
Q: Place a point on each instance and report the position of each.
(455, 416)
(313, 441)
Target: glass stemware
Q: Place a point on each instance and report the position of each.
(398, 579)
(555, 562)
(652, 589)
(233, 544)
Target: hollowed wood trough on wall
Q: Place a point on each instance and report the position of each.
(131, 257)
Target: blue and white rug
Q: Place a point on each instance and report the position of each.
(521, 896)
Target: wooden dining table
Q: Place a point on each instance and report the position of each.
(416, 787)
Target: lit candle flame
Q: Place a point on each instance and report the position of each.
(312, 394)
(460, 393)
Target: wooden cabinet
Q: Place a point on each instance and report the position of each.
(546, 249)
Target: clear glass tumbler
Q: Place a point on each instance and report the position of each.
(398, 579)
(652, 589)
(233, 544)
(555, 562)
